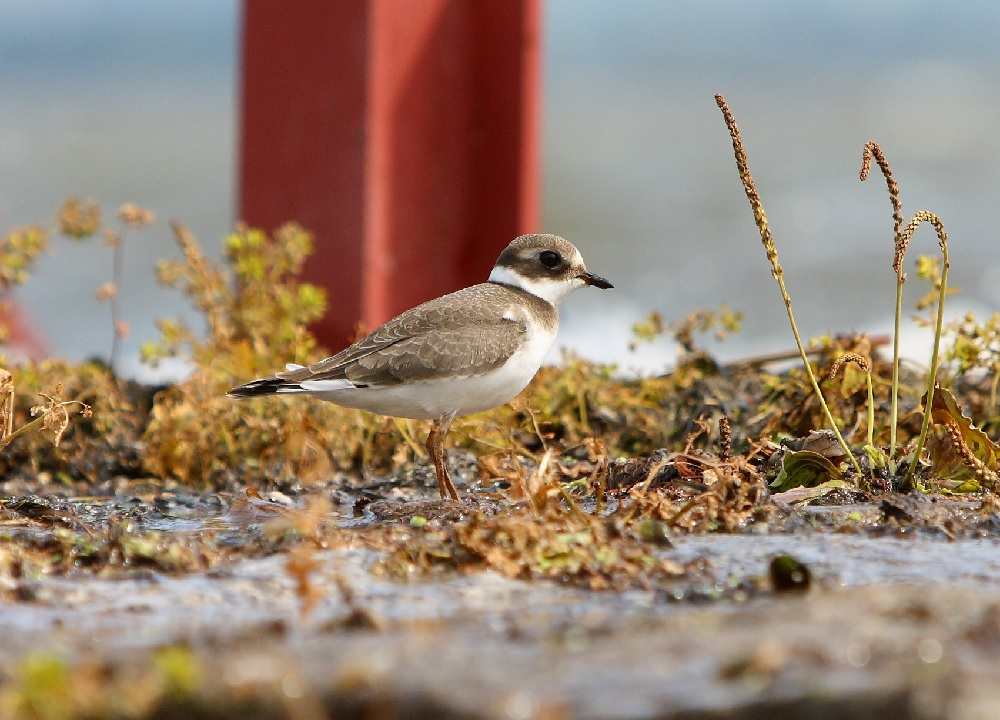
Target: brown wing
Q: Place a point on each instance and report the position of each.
(464, 332)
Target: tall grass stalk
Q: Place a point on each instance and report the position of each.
(872, 150)
(865, 366)
(904, 240)
(776, 270)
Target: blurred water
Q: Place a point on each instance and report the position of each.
(135, 102)
(123, 102)
(640, 170)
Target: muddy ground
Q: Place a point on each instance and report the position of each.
(572, 581)
(900, 617)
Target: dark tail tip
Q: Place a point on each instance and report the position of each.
(264, 386)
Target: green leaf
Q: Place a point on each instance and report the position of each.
(875, 455)
(969, 486)
(805, 468)
(803, 495)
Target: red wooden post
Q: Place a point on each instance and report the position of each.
(404, 133)
(22, 342)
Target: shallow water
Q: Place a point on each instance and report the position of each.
(152, 608)
(887, 621)
(638, 170)
(852, 560)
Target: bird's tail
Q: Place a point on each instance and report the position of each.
(264, 386)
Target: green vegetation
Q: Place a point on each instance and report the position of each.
(976, 456)
(580, 477)
(586, 479)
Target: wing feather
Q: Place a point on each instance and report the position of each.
(471, 331)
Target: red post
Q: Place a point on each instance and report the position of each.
(404, 133)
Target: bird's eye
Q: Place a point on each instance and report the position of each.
(549, 259)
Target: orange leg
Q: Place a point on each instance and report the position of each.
(435, 446)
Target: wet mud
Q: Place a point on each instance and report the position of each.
(901, 617)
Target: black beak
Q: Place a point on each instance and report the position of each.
(595, 280)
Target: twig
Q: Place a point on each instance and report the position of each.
(767, 359)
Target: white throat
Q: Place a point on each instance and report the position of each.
(552, 291)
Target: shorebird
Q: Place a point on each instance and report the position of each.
(456, 355)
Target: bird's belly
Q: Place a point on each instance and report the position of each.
(461, 395)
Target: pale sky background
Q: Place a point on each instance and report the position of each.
(128, 101)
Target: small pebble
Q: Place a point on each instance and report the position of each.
(789, 575)
(654, 531)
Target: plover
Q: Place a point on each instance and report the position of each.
(456, 355)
